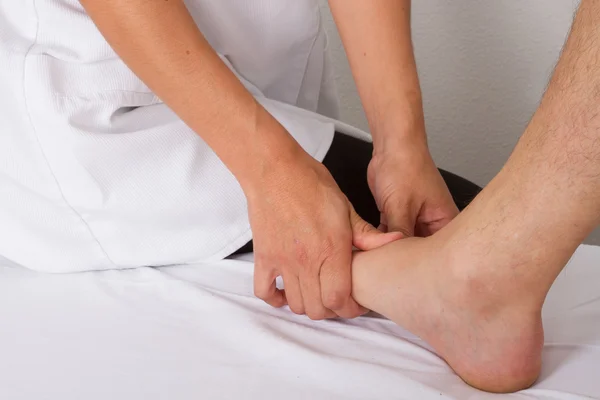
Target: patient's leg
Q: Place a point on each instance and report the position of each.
(474, 291)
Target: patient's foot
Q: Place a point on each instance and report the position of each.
(489, 335)
(474, 291)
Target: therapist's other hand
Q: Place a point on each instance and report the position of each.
(303, 230)
(410, 192)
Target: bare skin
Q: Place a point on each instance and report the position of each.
(409, 190)
(487, 328)
(475, 289)
(303, 226)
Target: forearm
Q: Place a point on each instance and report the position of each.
(559, 154)
(161, 43)
(377, 38)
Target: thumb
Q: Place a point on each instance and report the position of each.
(366, 237)
(401, 220)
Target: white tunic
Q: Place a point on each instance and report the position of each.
(97, 173)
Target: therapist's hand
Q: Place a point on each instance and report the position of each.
(303, 230)
(409, 190)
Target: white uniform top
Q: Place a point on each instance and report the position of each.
(97, 173)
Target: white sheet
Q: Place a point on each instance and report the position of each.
(196, 332)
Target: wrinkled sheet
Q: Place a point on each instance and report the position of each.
(196, 332)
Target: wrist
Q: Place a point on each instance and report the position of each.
(277, 174)
(274, 168)
(268, 154)
(399, 133)
(400, 141)
(398, 122)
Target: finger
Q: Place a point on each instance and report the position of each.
(311, 293)
(429, 228)
(383, 223)
(382, 228)
(366, 237)
(401, 219)
(293, 294)
(336, 285)
(264, 286)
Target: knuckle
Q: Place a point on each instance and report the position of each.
(317, 315)
(350, 312)
(260, 293)
(302, 254)
(365, 227)
(310, 258)
(329, 245)
(264, 276)
(328, 248)
(387, 197)
(335, 299)
(297, 309)
(354, 314)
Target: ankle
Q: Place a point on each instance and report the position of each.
(507, 243)
(490, 278)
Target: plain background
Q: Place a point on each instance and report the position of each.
(483, 67)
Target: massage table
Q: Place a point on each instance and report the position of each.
(197, 332)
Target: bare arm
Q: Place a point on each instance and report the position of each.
(303, 226)
(376, 36)
(406, 185)
(161, 43)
